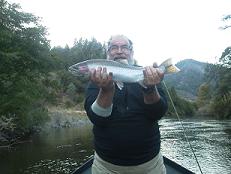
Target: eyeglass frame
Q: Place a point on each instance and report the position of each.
(123, 48)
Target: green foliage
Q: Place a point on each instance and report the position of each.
(183, 107)
(84, 49)
(210, 82)
(226, 57)
(221, 107)
(71, 90)
(24, 60)
(203, 95)
(219, 78)
(72, 87)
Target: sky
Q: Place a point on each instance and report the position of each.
(159, 29)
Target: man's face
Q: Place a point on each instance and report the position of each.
(119, 50)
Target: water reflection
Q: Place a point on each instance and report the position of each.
(210, 140)
(61, 151)
(53, 151)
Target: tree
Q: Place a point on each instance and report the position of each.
(183, 107)
(226, 58)
(24, 62)
(203, 95)
(83, 49)
(219, 77)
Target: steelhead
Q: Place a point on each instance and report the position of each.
(122, 73)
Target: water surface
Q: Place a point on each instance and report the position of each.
(210, 141)
(61, 151)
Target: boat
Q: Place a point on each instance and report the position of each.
(171, 167)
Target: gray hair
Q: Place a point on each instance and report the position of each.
(120, 36)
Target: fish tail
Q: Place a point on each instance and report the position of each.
(171, 69)
(166, 63)
(168, 67)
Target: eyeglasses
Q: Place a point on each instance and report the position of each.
(123, 48)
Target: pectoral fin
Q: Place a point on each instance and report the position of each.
(120, 85)
(141, 82)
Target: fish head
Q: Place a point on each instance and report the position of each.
(83, 69)
(79, 68)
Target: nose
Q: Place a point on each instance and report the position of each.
(119, 50)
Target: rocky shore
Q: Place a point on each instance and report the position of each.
(62, 118)
(58, 118)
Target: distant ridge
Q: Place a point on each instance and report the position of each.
(188, 80)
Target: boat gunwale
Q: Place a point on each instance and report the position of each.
(167, 161)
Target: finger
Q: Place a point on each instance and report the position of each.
(149, 72)
(107, 83)
(155, 76)
(160, 73)
(155, 65)
(92, 74)
(145, 72)
(98, 74)
(152, 76)
(104, 74)
(145, 75)
(110, 76)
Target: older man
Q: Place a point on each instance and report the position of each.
(125, 122)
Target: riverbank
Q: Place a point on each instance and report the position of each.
(58, 117)
(62, 118)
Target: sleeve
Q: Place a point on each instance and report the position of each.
(157, 110)
(102, 112)
(91, 94)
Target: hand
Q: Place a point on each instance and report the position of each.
(102, 79)
(152, 75)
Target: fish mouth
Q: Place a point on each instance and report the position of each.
(73, 70)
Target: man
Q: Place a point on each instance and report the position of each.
(125, 122)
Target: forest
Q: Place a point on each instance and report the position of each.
(34, 77)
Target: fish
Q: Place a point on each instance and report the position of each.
(122, 73)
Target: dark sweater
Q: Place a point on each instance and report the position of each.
(130, 135)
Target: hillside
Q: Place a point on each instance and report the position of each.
(187, 81)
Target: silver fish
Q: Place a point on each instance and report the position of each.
(122, 73)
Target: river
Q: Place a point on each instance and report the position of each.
(62, 150)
